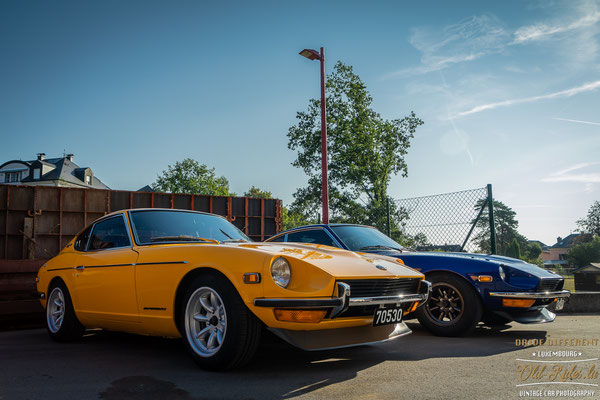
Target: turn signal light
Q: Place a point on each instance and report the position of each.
(524, 303)
(414, 307)
(252, 277)
(299, 315)
(485, 278)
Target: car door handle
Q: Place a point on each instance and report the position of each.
(80, 267)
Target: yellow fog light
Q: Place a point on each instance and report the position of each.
(524, 303)
(299, 315)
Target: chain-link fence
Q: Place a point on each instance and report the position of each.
(449, 221)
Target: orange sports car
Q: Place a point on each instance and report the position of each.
(194, 275)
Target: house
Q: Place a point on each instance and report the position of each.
(60, 171)
(556, 255)
(588, 277)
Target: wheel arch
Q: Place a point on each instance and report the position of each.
(185, 282)
(54, 281)
(454, 273)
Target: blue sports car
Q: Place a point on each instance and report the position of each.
(467, 287)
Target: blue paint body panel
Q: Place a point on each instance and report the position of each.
(520, 276)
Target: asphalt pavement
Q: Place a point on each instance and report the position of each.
(489, 364)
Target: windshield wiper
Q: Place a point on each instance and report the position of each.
(379, 247)
(181, 238)
(231, 240)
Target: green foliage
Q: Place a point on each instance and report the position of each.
(591, 223)
(506, 226)
(582, 254)
(293, 218)
(256, 192)
(364, 151)
(189, 176)
(533, 250)
(531, 253)
(513, 249)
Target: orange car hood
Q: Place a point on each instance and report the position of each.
(337, 262)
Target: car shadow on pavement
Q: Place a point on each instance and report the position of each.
(162, 368)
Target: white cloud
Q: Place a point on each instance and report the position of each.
(543, 31)
(574, 174)
(506, 103)
(465, 41)
(576, 120)
(482, 35)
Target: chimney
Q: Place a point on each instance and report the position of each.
(70, 156)
(41, 156)
(558, 239)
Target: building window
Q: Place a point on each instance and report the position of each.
(13, 177)
(88, 179)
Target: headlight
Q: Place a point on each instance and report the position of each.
(502, 273)
(281, 272)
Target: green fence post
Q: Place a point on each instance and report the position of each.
(389, 230)
(491, 214)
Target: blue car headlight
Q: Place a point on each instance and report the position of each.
(517, 277)
(502, 273)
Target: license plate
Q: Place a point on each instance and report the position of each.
(560, 304)
(386, 316)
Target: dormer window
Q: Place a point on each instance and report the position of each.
(37, 173)
(88, 179)
(12, 177)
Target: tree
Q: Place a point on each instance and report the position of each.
(513, 250)
(256, 192)
(591, 223)
(293, 218)
(505, 224)
(365, 151)
(533, 251)
(582, 254)
(189, 176)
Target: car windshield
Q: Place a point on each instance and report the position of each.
(155, 226)
(363, 238)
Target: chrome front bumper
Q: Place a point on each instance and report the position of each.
(343, 301)
(532, 295)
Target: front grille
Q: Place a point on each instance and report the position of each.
(382, 287)
(550, 285)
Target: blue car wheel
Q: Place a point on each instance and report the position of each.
(453, 309)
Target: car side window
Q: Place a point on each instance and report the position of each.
(82, 239)
(279, 239)
(311, 236)
(109, 234)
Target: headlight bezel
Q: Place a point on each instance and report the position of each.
(502, 273)
(281, 272)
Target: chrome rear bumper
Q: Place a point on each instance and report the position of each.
(343, 300)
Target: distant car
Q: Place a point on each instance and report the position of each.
(467, 288)
(179, 273)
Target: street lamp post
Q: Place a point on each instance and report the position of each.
(314, 55)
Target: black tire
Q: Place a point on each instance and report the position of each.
(454, 307)
(61, 322)
(240, 329)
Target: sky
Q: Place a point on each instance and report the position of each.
(509, 91)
